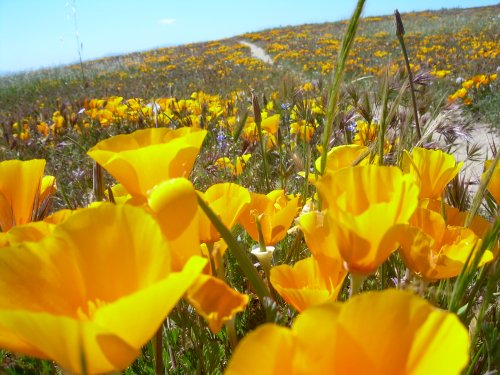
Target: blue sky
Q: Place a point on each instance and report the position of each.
(36, 33)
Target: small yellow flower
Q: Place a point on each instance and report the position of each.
(274, 211)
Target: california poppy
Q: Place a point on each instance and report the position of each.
(23, 191)
(388, 332)
(146, 157)
(434, 250)
(275, 213)
(432, 169)
(365, 204)
(92, 293)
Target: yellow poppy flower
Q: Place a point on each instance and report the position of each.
(270, 124)
(302, 130)
(432, 169)
(240, 163)
(143, 159)
(174, 205)
(389, 332)
(343, 156)
(434, 250)
(457, 218)
(339, 157)
(23, 191)
(309, 282)
(235, 169)
(494, 184)
(274, 212)
(318, 235)
(365, 204)
(215, 300)
(228, 201)
(97, 290)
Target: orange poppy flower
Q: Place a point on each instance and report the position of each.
(146, 157)
(388, 332)
(23, 191)
(100, 270)
(432, 169)
(365, 204)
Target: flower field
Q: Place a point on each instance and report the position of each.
(195, 210)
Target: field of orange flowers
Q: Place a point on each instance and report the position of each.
(196, 210)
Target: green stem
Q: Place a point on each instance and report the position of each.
(481, 191)
(262, 245)
(334, 89)
(383, 119)
(356, 283)
(231, 333)
(258, 122)
(173, 365)
(98, 182)
(472, 364)
(158, 345)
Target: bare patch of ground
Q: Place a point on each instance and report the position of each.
(258, 52)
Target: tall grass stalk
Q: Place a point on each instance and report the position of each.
(383, 117)
(336, 80)
(400, 31)
(258, 122)
(481, 191)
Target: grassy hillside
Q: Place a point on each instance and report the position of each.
(267, 128)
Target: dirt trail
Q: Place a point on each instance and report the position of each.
(258, 52)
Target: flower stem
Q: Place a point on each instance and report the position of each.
(158, 345)
(258, 122)
(262, 245)
(356, 283)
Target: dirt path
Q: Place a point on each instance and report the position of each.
(258, 52)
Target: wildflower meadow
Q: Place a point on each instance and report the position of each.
(330, 209)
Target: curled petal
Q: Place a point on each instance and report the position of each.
(215, 300)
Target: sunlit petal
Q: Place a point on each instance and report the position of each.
(432, 169)
(72, 295)
(143, 159)
(359, 337)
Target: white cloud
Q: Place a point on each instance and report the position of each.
(167, 21)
